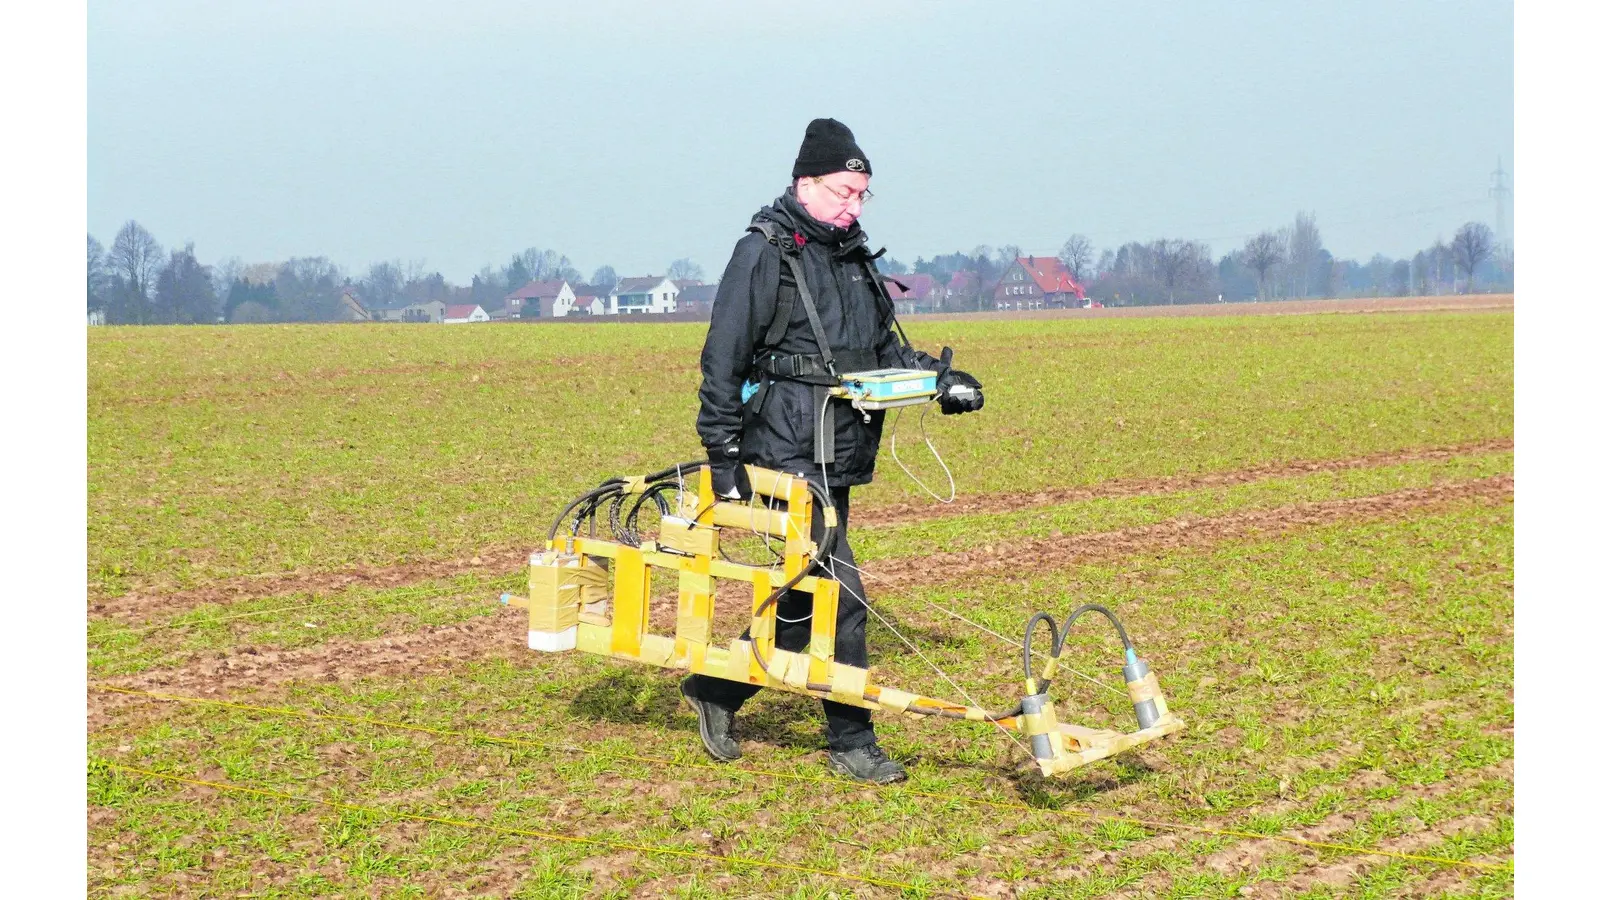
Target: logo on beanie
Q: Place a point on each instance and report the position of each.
(855, 165)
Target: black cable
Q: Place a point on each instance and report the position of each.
(653, 492)
(824, 550)
(1095, 607)
(609, 484)
(1056, 642)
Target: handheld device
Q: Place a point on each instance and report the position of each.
(887, 388)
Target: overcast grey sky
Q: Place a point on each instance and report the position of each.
(632, 134)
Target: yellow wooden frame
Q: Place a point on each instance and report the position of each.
(567, 585)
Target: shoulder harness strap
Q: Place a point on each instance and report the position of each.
(789, 256)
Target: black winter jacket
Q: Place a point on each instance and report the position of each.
(853, 317)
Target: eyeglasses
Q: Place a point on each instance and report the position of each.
(846, 195)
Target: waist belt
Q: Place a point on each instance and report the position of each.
(811, 369)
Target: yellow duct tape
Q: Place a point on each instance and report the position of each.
(1049, 668)
(1032, 724)
(555, 590)
(889, 698)
(1145, 688)
(849, 684)
(656, 650)
(790, 668)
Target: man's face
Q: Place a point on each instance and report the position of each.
(834, 199)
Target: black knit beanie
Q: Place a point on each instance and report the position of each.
(829, 147)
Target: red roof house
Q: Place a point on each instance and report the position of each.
(1033, 282)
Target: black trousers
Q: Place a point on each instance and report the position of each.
(849, 727)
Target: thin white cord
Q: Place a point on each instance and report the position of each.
(923, 422)
(1011, 641)
(904, 640)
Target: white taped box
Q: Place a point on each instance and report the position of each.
(553, 642)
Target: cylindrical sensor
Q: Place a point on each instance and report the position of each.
(1034, 709)
(1143, 690)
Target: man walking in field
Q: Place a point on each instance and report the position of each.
(759, 401)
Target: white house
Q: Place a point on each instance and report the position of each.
(588, 305)
(650, 294)
(461, 313)
(540, 299)
(426, 311)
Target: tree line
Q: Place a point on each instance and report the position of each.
(1284, 263)
(135, 281)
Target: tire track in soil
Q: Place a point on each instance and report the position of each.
(1049, 554)
(135, 607)
(434, 649)
(900, 513)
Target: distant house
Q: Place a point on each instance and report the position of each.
(426, 311)
(912, 293)
(1036, 283)
(349, 308)
(540, 300)
(588, 305)
(650, 294)
(393, 311)
(696, 299)
(462, 313)
(961, 291)
(97, 317)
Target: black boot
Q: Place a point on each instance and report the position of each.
(716, 727)
(866, 764)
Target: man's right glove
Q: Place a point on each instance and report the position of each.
(728, 477)
(958, 392)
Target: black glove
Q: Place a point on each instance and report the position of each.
(728, 477)
(958, 392)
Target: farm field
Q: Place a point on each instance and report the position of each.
(301, 684)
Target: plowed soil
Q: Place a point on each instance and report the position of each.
(439, 648)
(502, 559)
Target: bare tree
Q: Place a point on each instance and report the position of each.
(604, 279)
(685, 269)
(983, 266)
(1172, 261)
(134, 258)
(1419, 274)
(1444, 266)
(1262, 254)
(1077, 254)
(534, 264)
(1305, 250)
(308, 289)
(225, 273)
(384, 286)
(1400, 278)
(1472, 245)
